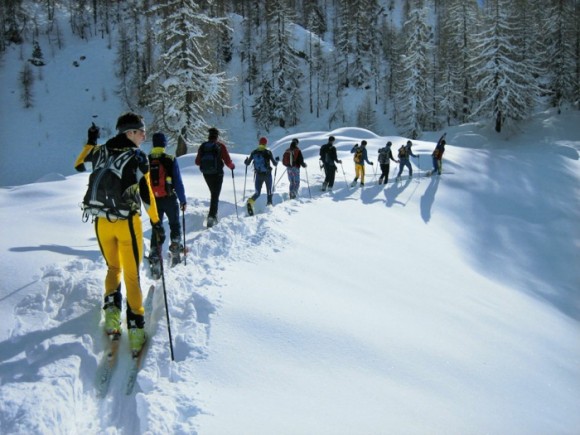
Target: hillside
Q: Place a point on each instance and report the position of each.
(428, 306)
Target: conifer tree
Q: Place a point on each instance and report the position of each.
(505, 79)
(188, 88)
(455, 48)
(414, 95)
(560, 52)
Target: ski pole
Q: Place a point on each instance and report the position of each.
(183, 226)
(235, 197)
(281, 176)
(375, 171)
(419, 157)
(160, 248)
(245, 176)
(343, 173)
(308, 182)
(275, 170)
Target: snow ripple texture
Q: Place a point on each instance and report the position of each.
(64, 321)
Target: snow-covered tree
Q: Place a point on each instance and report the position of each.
(560, 52)
(281, 58)
(505, 79)
(455, 48)
(187, 85)
(414, 93)
(26, 84)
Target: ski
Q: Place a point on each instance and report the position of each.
(137, 358)
(107, 365)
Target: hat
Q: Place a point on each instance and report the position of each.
(389, 143)
(263, 141)
(363, 143)
(129, 121)
(159, 140)
(331, 139)
(294, 143)
(213, 133)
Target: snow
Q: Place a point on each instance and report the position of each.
(435, 305)
(431, 306)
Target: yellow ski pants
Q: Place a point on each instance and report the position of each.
(359, 171)
(121, 244)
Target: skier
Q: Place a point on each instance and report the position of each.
(118, 229)
(262, 157)
(437, 156)
(167, 188)
(211, 158)
(328, 158)
(360, 157)
(385, 157)
(293, 160)
(404, 153)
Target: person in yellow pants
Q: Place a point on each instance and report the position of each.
(360, 157)
(119, 184)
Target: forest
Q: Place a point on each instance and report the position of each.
(425, 64)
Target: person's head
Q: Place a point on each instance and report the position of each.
(363, 143)
(263, 142)
(331, 139)
(213, 133)
(132, 126)
(159, 140)
(294, 143)
(409, 144)
(443, 142)
(389, 144)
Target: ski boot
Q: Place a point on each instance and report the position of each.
(211, 221)
(137, 339)
(250, 207)
(113, 313)
(175, 250)
(154, 266)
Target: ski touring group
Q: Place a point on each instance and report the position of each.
(124, 179)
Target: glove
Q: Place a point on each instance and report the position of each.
(183, 206)
(372, 163)
(247, 161)
(158, 232)
(232, 166)
(340, 161)
(93, 134)
(277, 159)
(304, 165)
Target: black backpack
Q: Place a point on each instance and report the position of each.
(105, 196)
(210, 162)
(384, 156)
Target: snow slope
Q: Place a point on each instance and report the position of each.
(434, 305)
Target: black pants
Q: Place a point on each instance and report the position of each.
(385, 167)
(168, 206)
(330, 171)
(214, 182)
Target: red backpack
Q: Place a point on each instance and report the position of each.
(289, 157)
(159, 176)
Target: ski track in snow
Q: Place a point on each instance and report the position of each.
(65, 320)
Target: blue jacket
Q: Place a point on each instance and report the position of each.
(364, 154)
(176, 181)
